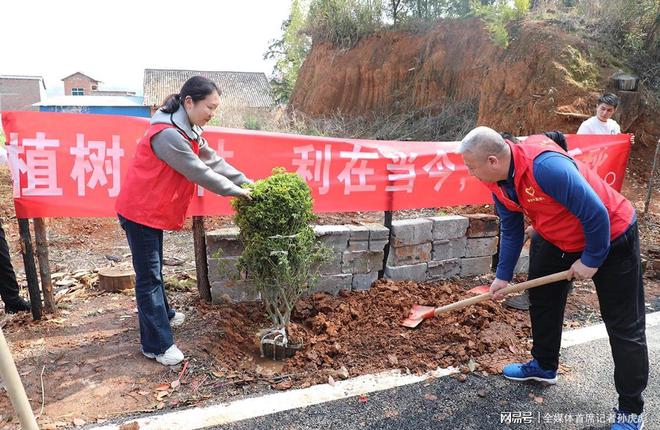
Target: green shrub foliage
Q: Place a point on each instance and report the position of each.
(281, 254)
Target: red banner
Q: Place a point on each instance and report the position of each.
(71, 165)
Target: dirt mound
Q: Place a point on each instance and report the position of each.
(360, 333)
(517, 89)
(545, 80)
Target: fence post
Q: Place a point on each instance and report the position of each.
(41, 240)
(30, 267)
(201, 264)
(649, 192)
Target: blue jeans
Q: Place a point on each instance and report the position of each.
(154, 312)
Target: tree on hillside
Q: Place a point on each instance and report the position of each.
(395, 8)
(434, 9)
(289, 52)
(344, 22)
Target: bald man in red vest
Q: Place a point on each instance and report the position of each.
(586, 227)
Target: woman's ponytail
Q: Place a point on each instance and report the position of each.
(171, 103)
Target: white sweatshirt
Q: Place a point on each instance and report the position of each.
(595, 126)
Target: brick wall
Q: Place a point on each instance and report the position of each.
(423, 249)
(19, 94)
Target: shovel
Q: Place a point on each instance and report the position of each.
(421, 313)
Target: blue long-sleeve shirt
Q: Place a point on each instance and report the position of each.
(560, 178)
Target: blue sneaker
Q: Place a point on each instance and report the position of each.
(529, 371)
(625, 421)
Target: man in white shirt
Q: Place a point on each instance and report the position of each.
(602, 123)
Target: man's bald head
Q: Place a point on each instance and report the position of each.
(486, 154)
(482, 141)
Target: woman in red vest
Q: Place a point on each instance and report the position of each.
(169, 160)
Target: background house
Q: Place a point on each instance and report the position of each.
(245, 95)
(106, 105)
(20, 92)
(79, 84)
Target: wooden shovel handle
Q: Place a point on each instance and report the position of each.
(516, 288)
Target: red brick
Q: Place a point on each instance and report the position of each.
(483, 225)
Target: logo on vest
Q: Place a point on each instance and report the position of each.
(531, 192)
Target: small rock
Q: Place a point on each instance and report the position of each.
(537, 399)
(343, 372)
(79, 422)
(114, 258)
(173, 261)
(284, 385)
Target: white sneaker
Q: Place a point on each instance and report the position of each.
(177, 319)
(172, 356)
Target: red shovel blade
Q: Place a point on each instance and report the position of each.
(481, 289)
(417, 315)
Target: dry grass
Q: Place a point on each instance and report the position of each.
(447, 122)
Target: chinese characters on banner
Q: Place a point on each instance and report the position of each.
(71, 165)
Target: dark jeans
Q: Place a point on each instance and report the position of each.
(154, 312)
(8, 284)
(621, 297)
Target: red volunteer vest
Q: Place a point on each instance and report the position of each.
(153, 193)
(548, 217)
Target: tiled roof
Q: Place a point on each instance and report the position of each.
(82, 74)
(242, 89)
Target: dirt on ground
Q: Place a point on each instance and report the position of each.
(83, 365)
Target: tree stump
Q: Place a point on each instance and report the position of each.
(114, 279)
(625, 82)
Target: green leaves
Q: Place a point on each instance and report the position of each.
(281, 254)
(497, 15)
(289, 52)
(280, 205)
(344, 22)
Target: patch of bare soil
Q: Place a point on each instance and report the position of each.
(92, 370)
